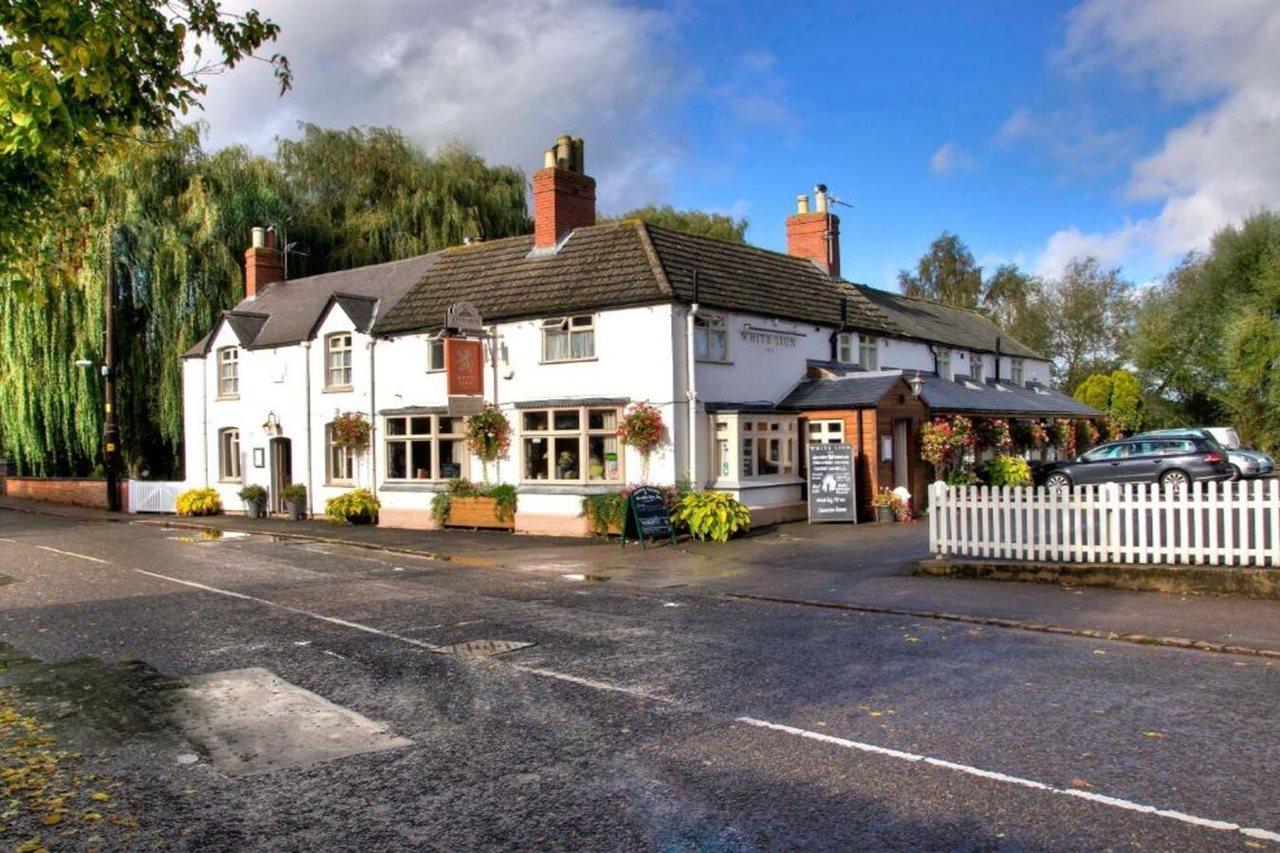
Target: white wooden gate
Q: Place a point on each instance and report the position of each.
(153, 495)
(1207, 523)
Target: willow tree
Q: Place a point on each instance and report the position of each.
(175, 222)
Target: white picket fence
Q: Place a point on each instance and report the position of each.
(1211, 524)
(154, 495)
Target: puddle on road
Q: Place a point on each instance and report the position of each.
(207, 534)
(586, 577)
(5, 580)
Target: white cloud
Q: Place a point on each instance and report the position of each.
(1221, 165)
(502, 77)
(948, 159)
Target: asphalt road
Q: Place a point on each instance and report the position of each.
(641, 717)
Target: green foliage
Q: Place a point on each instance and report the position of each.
(1091, 320)
(697, 222)
(1007, 471)
(711, 515)
(1117, 395)
(504, 496)
(80, 77)
(357, 506)
(605, 511)
(254, 494)
(295, 493)
(489, 435)
(177, 220)
(946, 273)
(961, 477)
(199, 502)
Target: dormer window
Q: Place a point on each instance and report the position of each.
(868, 353)
(944, 362)
(711, 337)
(569, 338)
(229, 373)
(337, 351)
(975, 367)
(1017, 370)
(844, 348)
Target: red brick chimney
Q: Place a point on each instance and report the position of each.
(564, 198)
(816, 235)
(263, 262)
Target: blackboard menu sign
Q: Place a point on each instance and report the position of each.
(831, 493)
(647, 516)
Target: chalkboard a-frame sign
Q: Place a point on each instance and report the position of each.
(831, 487)
(647, 517)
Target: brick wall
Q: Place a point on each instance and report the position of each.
(562, 201)
(77, 492)
(815, 236)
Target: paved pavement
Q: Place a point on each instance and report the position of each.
(641, 716)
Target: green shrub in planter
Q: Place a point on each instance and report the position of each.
(358, 506)
(255, 500)
(295, 498)
(502, 495)
(711, 515)
(1007, 471)
(199, 502)
(605, 511)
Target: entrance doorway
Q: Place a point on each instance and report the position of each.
(901, 467)
(281, 471)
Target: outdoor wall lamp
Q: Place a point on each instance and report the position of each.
(917, 384)
(272, 425)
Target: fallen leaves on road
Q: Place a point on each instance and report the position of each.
(1153, 734)
(1079, 783)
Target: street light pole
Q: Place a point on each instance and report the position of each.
(110, 426)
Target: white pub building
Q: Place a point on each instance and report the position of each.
(747, 353)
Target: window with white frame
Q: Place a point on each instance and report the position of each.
(975, 366)
(229, 372)
(768, 446)
(844, 348)
(868, 352)
(337, 353)
(425, 447)
(576, 445)
(944, 362)
(826, 432)
(569, 338)
(711, 337)
(229, 454)
(340, 462)
(435, 356)
(1017, 371)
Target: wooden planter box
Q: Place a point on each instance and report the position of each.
(477, 512)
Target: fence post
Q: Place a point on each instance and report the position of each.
(1111, 509)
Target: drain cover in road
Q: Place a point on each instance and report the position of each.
(484, 648)
(252, 721)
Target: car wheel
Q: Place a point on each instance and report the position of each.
(1058, 481)
(1235, 473)
(1175, 479)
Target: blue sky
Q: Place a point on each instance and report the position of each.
(1036, 131)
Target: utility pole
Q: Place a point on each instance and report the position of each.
(110, 426)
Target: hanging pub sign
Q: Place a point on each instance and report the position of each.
(464, 375)
(648, 517)
(831, 487)
(462, 318)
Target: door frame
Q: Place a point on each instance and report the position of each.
(281, 471)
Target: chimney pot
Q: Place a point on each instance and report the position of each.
(802, 204)
(815, 235)
(820, 197)
(259, 237)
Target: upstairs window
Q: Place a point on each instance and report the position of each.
(844, 348)
(975, 366)
(944, 362)
(337, 349)
(229, 372)
(711, 338)
(868, 353)
(569, 338)
(1017, 371)
(435, 356)
(229, 454)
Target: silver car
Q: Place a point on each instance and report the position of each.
(1246, 464)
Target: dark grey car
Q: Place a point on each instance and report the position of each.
(1168, 461)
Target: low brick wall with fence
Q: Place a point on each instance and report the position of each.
(69, 490)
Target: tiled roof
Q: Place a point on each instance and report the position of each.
(944, 324)
(946, 395)
(604, 266)
(854, 391)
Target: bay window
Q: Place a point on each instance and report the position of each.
(425, 447)
(577, 445)
(711, 337)
(756, 446)
(569, 338)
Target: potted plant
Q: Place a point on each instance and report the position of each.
(255, 501)
(884, 502)
(465, 504)
(605, 513)
(357, 506)
(199, 502)
(295, 500)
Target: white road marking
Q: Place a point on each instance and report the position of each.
(10, 541)
(74, 554)
(595, 685)
(1115, 802)
(333, 620)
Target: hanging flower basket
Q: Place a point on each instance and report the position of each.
(351, 431)
(641, 427)
(489, 436)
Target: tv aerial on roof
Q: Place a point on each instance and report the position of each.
(822, 188)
